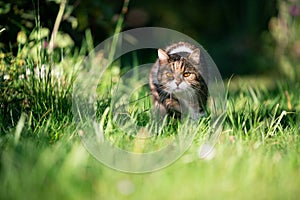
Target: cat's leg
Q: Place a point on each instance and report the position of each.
(159, 110)
(173, 104)
(196, 112)
(192, 109)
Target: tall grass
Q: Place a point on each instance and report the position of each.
(37, 85)
(257, 156)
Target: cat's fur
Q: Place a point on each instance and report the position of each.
(176, 82)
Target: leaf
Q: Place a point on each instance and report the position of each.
(63, 40)
(22, 37)
(4, 9)
(39, 34)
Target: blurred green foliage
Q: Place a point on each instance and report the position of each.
(231, 30)
(285, 31)
(18, 15)
(235, 32)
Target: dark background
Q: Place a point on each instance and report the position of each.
(234, 32)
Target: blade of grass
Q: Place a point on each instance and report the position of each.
(19, 128)
(118, 29)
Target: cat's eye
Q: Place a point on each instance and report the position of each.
(169, 74)
(186, 74)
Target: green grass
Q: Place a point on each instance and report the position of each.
(257, 155)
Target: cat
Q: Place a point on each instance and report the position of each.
(176, 82)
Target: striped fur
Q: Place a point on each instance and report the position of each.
(176, 83)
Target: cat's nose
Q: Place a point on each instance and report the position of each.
(177, 83)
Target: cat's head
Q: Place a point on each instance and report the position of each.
(179, 73)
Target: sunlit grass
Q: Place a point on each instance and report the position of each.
(257, 156)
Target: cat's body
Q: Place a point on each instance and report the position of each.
(176, 82)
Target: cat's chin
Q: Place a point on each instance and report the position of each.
(175, 91)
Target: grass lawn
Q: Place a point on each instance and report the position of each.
(257, 155)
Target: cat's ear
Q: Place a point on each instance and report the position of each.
(162, 55)
(195, 56)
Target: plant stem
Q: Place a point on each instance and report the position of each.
(56, 25)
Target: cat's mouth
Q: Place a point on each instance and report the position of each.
(176, 90)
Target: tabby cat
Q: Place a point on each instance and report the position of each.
(177, 86)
